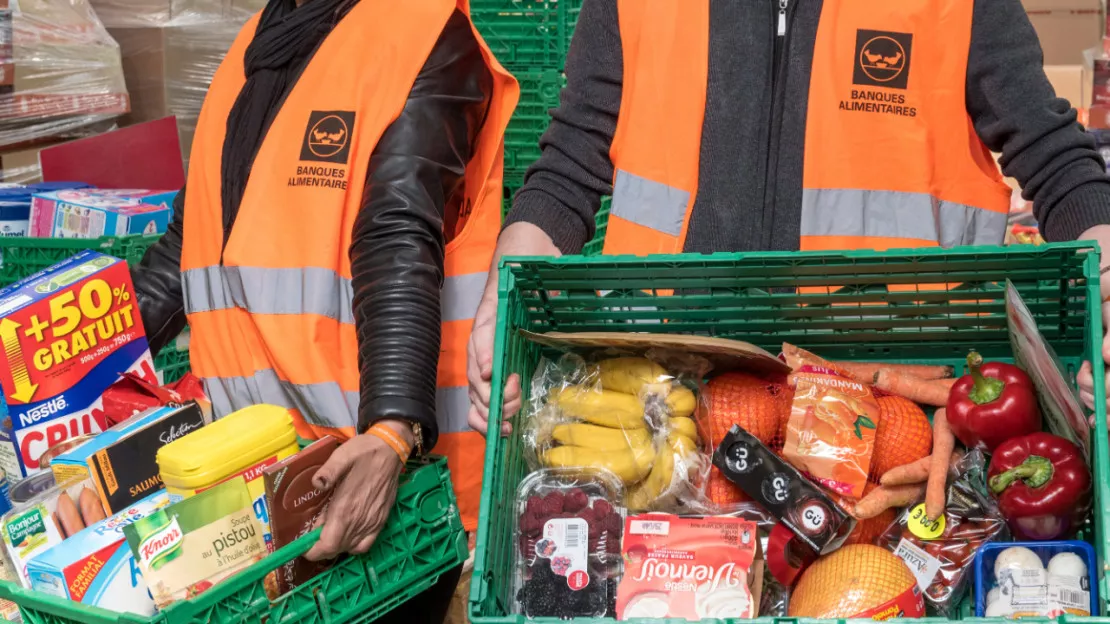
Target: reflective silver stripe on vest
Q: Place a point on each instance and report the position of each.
(461, 296)
(309, 290)
(322, 404)
(304, 290)
(893, 214)
(649, 203)
(452, 407)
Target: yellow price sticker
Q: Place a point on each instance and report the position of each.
(920, 526)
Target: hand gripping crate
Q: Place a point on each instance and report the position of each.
(423, 539)
(753, 297)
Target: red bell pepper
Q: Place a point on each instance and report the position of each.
(991, 404)
(1042, 484)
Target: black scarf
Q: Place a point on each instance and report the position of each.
(286, 37)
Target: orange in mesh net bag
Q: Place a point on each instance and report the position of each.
(859, 581)
(903, 437)
(759, 406)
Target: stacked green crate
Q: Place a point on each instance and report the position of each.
(530, 38)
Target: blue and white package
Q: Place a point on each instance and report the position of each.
(95, 566)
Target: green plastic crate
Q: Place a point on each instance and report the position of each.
(509, 192)
(751, 297)
(173, 359)
(21, 257)
(539, 93)
(527, 34)
(423, 539)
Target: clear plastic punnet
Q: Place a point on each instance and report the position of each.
(568, 535)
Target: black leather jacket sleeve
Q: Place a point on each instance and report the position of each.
(157, 282)
(415, 184)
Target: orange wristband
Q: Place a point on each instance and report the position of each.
(390, 437)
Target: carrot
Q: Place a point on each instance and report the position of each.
(925, 391)
(944, 444)
(916, 472)
(864, 372)
(885, 497)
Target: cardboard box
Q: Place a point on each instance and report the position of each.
(96, 567)
(168, 70)
(68, 333)
(121, 461)
(1071, 82)
(1066, 28)
(92, 213)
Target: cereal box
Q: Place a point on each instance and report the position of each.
(95, 566)
(91, 213)
(68, 333)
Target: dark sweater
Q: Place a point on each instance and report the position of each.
(740, 206)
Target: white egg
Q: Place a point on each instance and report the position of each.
(1067, 564)
(1015, 560)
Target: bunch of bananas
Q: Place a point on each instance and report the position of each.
(638, 426)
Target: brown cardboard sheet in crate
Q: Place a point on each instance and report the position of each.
(724, 354)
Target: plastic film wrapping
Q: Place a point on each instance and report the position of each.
(61, 73)
(632, 415)
(169, 67)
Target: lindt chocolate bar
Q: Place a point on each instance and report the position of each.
(295, 504)
(783, 491)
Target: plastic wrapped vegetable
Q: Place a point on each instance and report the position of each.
(940, 553)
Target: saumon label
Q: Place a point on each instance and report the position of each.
(161, 546)
(655, 568)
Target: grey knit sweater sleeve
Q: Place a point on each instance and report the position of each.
(1015, 112)
(563, 189)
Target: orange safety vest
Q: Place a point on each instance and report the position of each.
(891, 157)
(272, 319)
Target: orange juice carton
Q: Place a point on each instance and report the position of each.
(95, 566)
(68, 332)
(690, 568)
(92, 213)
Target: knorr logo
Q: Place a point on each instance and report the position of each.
(161, 546)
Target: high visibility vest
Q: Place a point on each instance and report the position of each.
(891, 157)
(271, 313)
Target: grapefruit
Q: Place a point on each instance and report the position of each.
(857, 581)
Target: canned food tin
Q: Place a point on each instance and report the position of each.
(23, 491)
(49, 454)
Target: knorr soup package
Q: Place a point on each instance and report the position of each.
(190, 546)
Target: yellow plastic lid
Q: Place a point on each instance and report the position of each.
(225, 447)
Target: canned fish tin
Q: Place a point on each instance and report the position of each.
(25, 490)
(49, 454)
